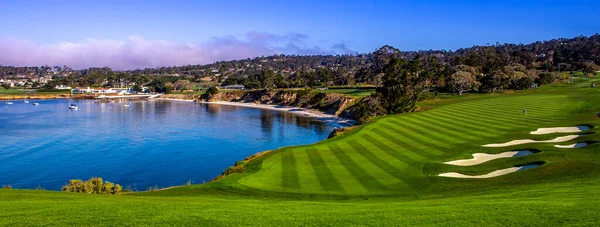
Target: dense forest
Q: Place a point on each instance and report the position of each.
(476, 69)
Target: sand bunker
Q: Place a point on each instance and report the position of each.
(492, 174)
(542, 131)
(576, 145)
(526, 141)
(479, 158)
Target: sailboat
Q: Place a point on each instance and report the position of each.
(25, 100)
(9, 102)
(71, 104)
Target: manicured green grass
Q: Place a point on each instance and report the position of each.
(11, 91)
(22, 92)
(356, 92)
(399, 154)
(548, 204)
(382, 174)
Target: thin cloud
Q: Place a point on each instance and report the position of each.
(137, 52)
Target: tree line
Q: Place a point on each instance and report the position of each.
(485, 68)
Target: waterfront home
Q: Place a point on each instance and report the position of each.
(94, 90)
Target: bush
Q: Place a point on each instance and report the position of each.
(212, 91)
(233, 169)
(548, 78)
(94, 185)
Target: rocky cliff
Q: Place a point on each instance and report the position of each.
(326, 102)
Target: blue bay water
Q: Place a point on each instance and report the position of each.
(150, 143)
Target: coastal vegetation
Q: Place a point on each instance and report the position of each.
(485, 68)
(94, 185)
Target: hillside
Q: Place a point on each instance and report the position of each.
(383, 173)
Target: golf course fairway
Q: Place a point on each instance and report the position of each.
(383, 173)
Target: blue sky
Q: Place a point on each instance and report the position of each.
(296, 27)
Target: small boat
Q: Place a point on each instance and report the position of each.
(26, 101)
(36, 104)
(126, 105)
(72, 105)
(9, 103)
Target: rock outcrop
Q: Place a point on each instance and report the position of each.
(326, 102)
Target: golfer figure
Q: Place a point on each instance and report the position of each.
(525, 111)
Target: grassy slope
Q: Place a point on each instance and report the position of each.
(381, 174)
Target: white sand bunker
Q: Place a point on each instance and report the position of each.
(526, 141)
(577, 145)
(542, 131)
(479, 158)
(492, 174)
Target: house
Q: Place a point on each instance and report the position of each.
(235, 86)
(84, 90)
(123, 90)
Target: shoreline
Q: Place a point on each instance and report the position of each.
(327, 118)
(310, 113)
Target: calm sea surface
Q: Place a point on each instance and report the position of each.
(149, 143)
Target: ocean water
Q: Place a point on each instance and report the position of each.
(150, 143)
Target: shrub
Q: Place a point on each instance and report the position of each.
(117, 189)
(107, 188)
(233, 169)
(239, 163)
(94, 185)
(212, 91)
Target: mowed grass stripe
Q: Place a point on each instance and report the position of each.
(367, 181)
(383, 165)
(505, 120)
(455, 118)
(390, 151)
(468, 117)
(504, 107)
(472, 129)
(306, 173)
(496, 111)
(372, 169)
(442, 127)
(491, 123)
(541, 111)
(289, 175)
(412, 175)
(326, 178)
(509, 104)
(408, 124)
(406, 151)
(404, 144)
(411, 135)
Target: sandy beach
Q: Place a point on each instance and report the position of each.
(328, 118)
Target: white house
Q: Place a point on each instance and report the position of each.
(83, 90)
